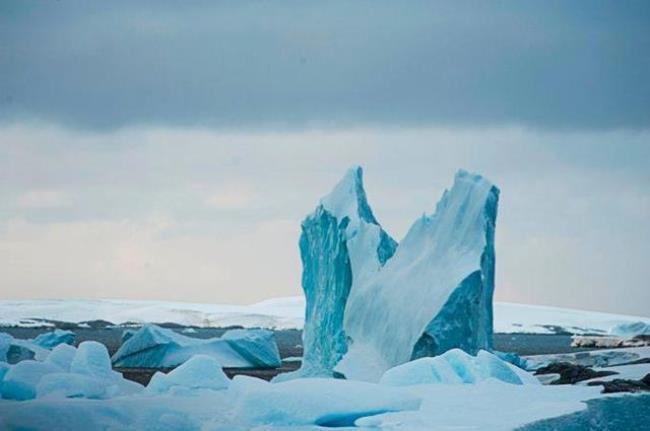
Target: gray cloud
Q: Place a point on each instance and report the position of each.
(295, 64)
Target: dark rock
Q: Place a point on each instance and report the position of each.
(638, 361)
(571, 373)
(97, 324)
(624, 385)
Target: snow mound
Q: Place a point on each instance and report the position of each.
(456, 367)
(156, 347)
(199, 372)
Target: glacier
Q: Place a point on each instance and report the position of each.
(155, 347)
(372, 304)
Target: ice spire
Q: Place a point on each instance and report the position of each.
(341, 245)
(435, 293)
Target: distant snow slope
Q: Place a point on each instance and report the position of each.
(280, 313)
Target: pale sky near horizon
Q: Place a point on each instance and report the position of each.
(160, 151)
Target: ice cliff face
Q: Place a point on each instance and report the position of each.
(372, 305)
(341, 246)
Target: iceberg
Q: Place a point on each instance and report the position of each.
(435, 293)
(14, 350)
(5, 345)
(155, 347)
(630, 329)
(457, 367)
(341, 246)
(199, 372)
(52, 339)
(372, 305)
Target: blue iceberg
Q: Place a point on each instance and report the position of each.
(372, 305)
(52, 339)
(156, 347)
(341, 246)
(14, 350)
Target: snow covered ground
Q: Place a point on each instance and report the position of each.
(281, 313)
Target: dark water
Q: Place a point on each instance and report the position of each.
(290, 341)
(626, 413)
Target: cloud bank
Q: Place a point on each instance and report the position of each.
(295, 64)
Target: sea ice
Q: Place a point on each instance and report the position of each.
(314, 401)
(199, 372)
(156, 347)
(304, 404)
(456, 367)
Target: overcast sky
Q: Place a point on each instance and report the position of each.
(169, 150)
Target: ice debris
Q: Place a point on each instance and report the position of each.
(199, 372)
(67, 372)
(456, 367)
(155, 347)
